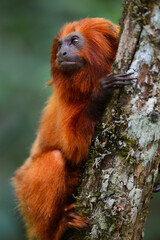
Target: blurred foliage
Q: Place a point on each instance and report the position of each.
(27, 29)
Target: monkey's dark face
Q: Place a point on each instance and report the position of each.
(67, 58)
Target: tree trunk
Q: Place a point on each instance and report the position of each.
(119, 176)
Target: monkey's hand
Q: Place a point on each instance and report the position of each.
(101, 96)
(117, 81)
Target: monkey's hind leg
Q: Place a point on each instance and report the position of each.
(42, 195)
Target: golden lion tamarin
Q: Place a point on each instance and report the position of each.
(81, 60)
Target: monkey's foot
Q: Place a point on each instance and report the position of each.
(74, 220)
(117, 81)
(156, 187)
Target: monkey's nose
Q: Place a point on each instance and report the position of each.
(64, 53)
(61, 55)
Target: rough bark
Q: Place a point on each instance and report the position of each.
(119, 176)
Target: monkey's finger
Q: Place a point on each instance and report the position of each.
(72, 215)
(115, 78)
(116, 84)
(77, 224)
(129, 78)
(78, 221)
(77, 217)
(111, 83)
(125, 74)
(156, 189)
(109, 75)
(122, 75)
(70, 207)
(157, 186)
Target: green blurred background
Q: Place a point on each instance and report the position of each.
(27, 29)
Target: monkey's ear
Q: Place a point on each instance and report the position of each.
(113, 32)
(50, 83)
(112, 36)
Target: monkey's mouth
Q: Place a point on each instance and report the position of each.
(68, 62)
(62, 62)
(69, 66)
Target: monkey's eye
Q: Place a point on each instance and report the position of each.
(74, 40)
(59, 45)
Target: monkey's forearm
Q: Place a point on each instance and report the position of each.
(97, 104)
(101, 96)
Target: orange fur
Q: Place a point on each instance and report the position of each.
(46, 182)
